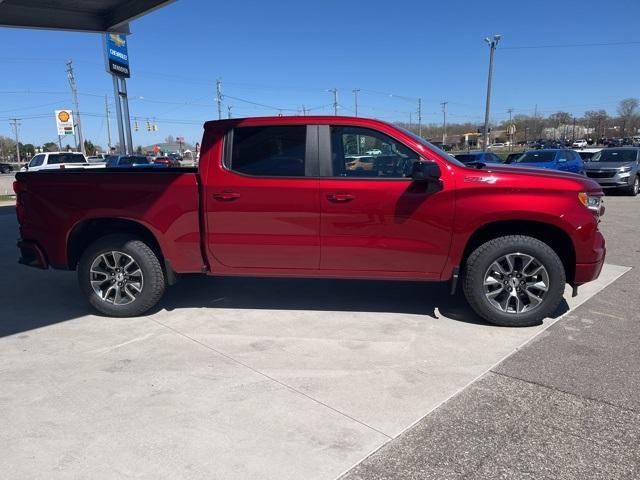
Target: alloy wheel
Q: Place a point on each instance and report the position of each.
(516, 283)
(116, 278)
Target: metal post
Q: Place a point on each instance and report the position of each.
(106, 108)
(16, 124)
(492, 47)
(116, 95)
(355, 94)
(510, 131)
(444, 122)
(219, 98)
(228, 111)
(420, 116)
(74, 92)
(126, 119)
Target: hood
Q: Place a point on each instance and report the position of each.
(607, 165)
(528, 176)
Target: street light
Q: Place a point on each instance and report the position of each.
(493, 43)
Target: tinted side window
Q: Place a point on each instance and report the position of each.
(277, 151)
(361, 152)
(563, 156)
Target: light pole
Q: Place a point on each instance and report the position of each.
(493, 43)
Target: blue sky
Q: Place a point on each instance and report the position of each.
(285, 54)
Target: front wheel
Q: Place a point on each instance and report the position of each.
(634, 188)
(514, 281)
(121, 276)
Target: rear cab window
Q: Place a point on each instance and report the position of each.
(56, 158)
(270, 151)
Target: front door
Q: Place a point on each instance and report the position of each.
(374, 218)
(262, 208)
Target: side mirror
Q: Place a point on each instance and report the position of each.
(425, 171)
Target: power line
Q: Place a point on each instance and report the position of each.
(572, 45)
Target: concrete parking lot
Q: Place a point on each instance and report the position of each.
(246, 378)
(6, 183)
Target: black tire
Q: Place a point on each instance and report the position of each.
(152, 286)
(483, 257)
(634, 188)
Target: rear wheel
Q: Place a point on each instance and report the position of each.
(121, 276)
(514, 281)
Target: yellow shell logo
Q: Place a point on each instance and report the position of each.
(117, 39)
(63, 116)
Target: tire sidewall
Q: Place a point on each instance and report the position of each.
(474, 280)
(153, 277)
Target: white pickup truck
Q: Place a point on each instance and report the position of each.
(55, 161)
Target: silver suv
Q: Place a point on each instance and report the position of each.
(617, 168)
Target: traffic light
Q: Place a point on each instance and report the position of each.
(136, 126)
(148, 126)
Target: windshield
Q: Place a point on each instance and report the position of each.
(432, 147)
(536, 157)
(55, 158)
(613, 155)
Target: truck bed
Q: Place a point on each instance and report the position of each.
(59, 205)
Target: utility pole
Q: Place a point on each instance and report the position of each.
(106, 109)
(228, 111)
(420, 117)
(510, 130)
(219, 98)
(355, 94)
(444, 122)
(74, 92)
(304, 110)
(15, 122)
(335, 100)
(493, 43)
(573, 135)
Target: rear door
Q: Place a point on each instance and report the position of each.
(374, 218)
(261, 201)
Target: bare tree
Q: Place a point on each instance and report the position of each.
(627, 109)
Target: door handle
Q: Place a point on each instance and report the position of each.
(226, 196)
(340, 197)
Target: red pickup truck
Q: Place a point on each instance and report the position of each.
(329, 197)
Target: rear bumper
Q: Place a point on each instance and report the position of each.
(32, 255)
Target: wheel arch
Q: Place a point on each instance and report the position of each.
(550, 234)
(89, 230)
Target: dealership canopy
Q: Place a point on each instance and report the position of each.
(80, 15)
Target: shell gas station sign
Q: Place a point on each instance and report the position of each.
(64, 122)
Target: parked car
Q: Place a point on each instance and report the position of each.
(587, 153)
(278, 200)
(497, 145)
(616, 168)
(478, 157)
(555, 159)
(167, 161)
(5, 168)
(98, 158)
(512, 157)
(579, 144)
(55, 161)
(130, 161)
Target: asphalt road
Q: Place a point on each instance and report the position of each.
(566, 406)
(258, 378)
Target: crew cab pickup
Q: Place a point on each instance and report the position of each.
(282, 197)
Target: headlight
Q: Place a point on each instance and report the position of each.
(624, 169)
(592, 202)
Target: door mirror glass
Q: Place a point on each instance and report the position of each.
(425, 171)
